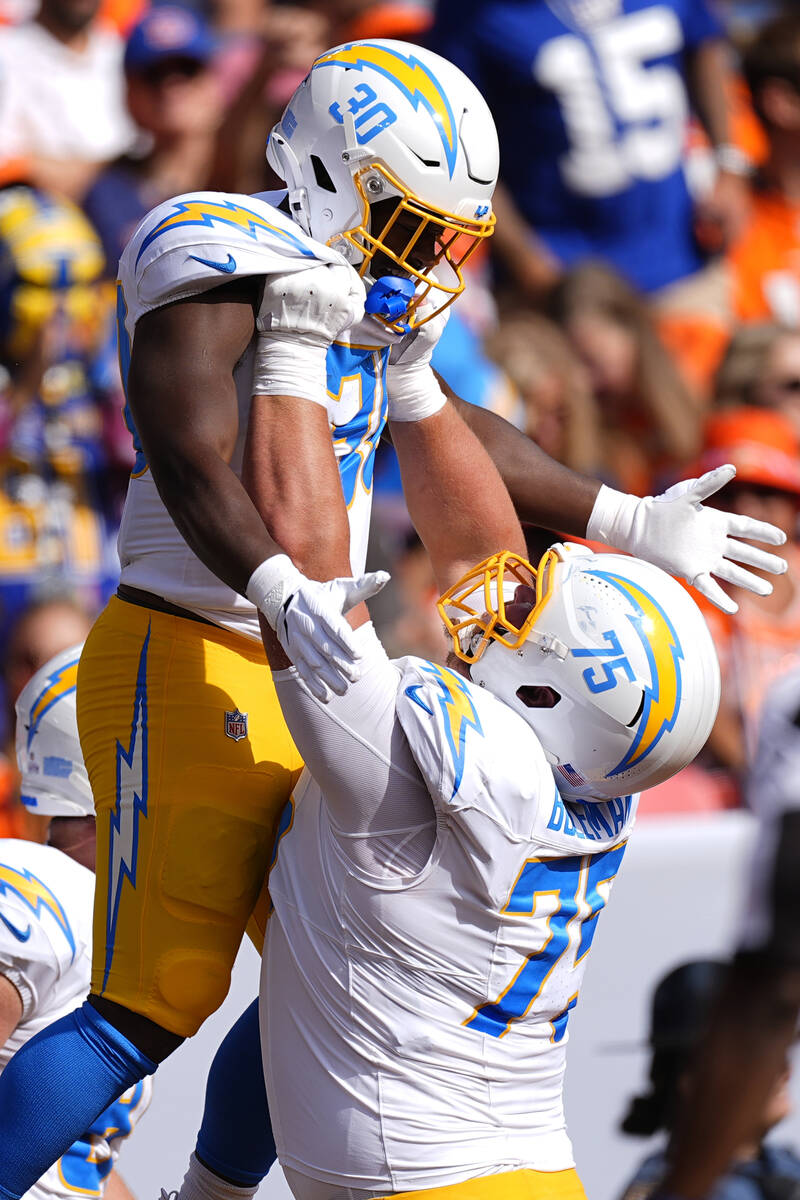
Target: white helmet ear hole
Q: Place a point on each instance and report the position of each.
(323, 179)
(535, 696)
(638, 712)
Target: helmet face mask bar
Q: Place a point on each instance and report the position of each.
(411, 241)
(607, 658)
(390, 156)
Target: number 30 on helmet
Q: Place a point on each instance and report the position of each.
(606, 657)
(390, 155)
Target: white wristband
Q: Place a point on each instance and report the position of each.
(612, 516)
(290, 364)
(272, 581)
(414, 392)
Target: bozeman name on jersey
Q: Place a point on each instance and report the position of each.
(182, 248)
(428, 1012)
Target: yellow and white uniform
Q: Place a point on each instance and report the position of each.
(188, 755)
(435, 900)
(184, 247)
(45, 952)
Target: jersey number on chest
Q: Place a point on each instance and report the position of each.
(572, 892)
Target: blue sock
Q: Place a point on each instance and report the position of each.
(55, 1087)
(235, 1138)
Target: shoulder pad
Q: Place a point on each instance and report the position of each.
(473, 751)
(203, 239)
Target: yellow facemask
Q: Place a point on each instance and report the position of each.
(408, 230)
(477, 604)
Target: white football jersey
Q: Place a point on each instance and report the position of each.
(189, 245)
(426, 1016)
(45, 951)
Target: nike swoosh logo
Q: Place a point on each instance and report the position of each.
(227, 267)
(21, 935)
(411, 692)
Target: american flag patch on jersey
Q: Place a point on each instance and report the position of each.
(571, 775)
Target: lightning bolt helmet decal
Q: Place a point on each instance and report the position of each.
(59, 683)
(662, 647)
(411, 77)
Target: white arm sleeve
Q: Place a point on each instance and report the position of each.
(379, 806)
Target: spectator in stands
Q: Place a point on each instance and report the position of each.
(761, 640)
(174, 98)
(60, 487)
(651, 418)
(560, 412)
(355, 19)
(681, 1008)
(765, 261)
(265, 52)
(62, 105)
(761, 367)
(591, 101)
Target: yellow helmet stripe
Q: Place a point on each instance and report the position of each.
(662, 696)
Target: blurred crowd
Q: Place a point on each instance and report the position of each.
(637, 313)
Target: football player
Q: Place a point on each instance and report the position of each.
(46, 919)
(257, 392)
(755, 1019)
(440, 870)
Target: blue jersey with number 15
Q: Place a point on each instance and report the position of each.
(592, 118)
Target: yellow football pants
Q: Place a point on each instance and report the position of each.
(513, 1185)
(191, 764)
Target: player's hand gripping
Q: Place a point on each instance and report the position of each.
(308, 619)
(677, 532)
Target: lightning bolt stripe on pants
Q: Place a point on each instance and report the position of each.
(131, 802)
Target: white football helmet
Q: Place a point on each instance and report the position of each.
(390, 155)
(54, 779)
(609, 661)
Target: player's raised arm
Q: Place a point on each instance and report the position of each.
(288, 518)
(676, 531)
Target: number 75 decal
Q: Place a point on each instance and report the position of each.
(580, 885)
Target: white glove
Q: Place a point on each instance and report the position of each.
(412, 388)
(308, 618)
(314, 304)
(300, 314)
(677, 533)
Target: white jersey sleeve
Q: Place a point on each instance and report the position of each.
(483, 763)
(45, 933)
(200, 240)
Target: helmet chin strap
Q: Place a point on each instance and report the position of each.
(290, 169)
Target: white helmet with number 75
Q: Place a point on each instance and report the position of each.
(606, 657)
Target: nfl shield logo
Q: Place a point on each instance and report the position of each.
(236, 725)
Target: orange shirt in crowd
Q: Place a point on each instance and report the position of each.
(765, 263)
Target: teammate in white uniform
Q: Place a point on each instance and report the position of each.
(45, 919)
(436, 895)
(242, 341)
